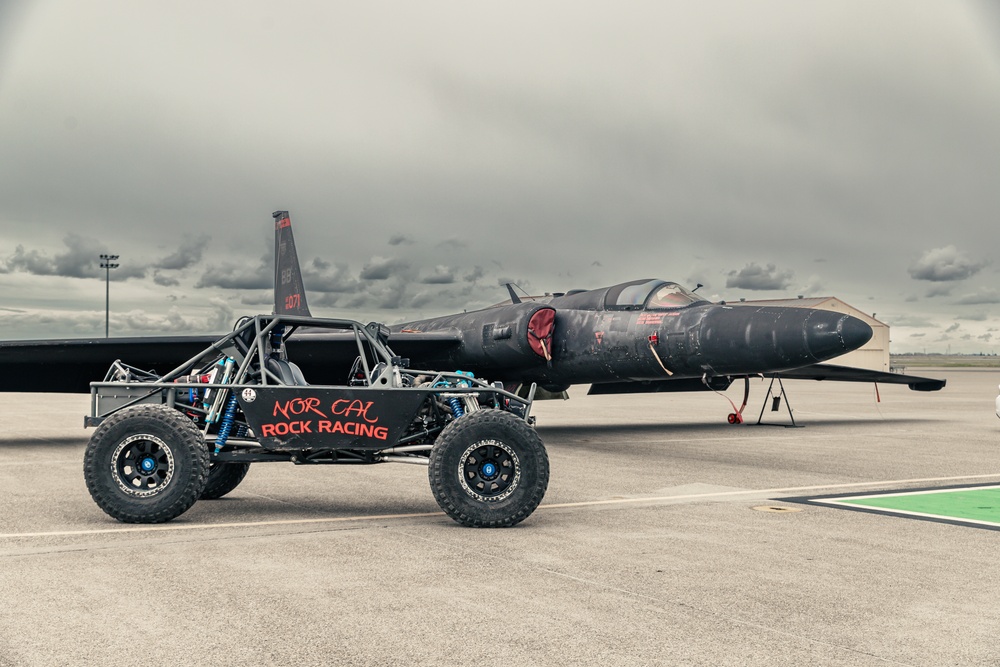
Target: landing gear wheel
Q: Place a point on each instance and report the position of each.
(488, 469)
(146, 464)
(223, 478)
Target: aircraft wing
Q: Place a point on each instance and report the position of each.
(71, 365)
(814, 372)
(846, 374)
(425, 345)
(326, 358)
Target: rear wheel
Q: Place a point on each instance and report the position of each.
(146, 464)
(223, 478)
(488, 469)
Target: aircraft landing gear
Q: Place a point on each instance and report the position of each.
(735, 417)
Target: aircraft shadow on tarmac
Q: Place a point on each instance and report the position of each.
(237, 507)
(8, 444)
(674, 430)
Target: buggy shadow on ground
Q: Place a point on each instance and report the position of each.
(647, 549)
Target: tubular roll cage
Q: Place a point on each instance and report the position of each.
(146, 387)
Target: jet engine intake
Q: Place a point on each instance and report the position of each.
(512, 336)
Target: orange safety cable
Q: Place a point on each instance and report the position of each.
(655, 354)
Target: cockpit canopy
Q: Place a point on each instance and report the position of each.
(649, 295)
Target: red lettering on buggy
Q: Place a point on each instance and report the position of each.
(297, 406)
(353, 419)
(289, 428)
(355, 408)
(359, 429)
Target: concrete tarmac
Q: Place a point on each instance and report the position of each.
(651, 547)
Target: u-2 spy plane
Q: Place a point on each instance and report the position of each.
(639, 336)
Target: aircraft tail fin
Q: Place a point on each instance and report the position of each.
(289, 293)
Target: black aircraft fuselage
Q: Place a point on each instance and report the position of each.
(641, 331)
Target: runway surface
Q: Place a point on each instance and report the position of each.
(663, 540)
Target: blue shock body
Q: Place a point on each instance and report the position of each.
(456, 405)
(226, 424)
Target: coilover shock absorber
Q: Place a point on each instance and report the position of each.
(226, 424)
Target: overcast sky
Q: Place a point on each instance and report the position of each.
(431, 151)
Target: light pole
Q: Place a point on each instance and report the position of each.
(107, 265)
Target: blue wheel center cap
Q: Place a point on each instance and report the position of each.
(147, 464)
(489, 470)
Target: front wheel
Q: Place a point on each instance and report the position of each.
(488, 469)
(146, 464)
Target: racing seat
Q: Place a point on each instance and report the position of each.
(286, 371)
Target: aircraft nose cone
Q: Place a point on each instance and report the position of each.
(745, 339)
(829, 334)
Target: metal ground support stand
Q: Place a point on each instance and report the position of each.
(776, 403)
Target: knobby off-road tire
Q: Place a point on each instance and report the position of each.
(223, 478)
(146, 464)
(488, 469)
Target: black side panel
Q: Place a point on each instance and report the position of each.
(335, 417)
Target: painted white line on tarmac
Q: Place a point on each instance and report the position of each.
(586, 503)
(789, 489)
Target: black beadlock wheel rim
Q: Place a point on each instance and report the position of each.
(142, 465)
(489, 471)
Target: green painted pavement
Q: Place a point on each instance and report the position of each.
(969, 504)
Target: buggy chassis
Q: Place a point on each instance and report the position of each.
(163, 442)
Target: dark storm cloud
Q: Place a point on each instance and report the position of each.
(187, 255)
(756, 277)
(323, 276)
(257, 299)
(229, 275)
(400, 239)
(442, 276)
(940, 290)
(126, 271)
(984, 295)
(381, 268)
(945, 264)
(81, 260)
(165, 281)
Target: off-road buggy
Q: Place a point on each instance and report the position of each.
(163, 442)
